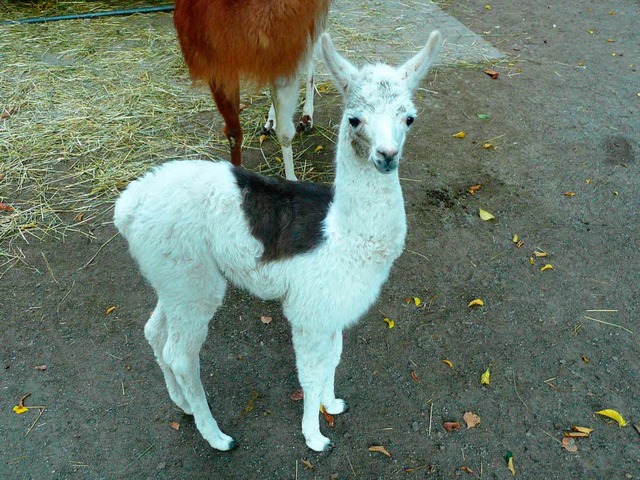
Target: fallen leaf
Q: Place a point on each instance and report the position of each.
(390, 323)
(540, 254)
(416, 301)
(487, 7)
(515, 238)
(327, 416)
(175, 425)
(379, 449)
(586, 430)
(569, 444)
(266, 320)
(448, 362)
(509, 458)
(487, 146)
(484, 215)
(297, 395)
(414, 376)
(476, 303)
(459, 135)
(307, 464)
(590, 31)
(5, 207)
(474, 188)
(19, 409)
(471, 419)
(614, 415)
(492, 73)
(584, 358)
(42, 368)
(482, 116)
(466, 469)
(576, 434)
(110, 310)
(569, 194)
(485, 379)
(319, 148)
(262, 139)
(451, 426)
(532, 261)
(588, 180)
(548, 266)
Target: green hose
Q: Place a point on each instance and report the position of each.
(113, 13)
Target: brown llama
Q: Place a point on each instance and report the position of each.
(258, 41)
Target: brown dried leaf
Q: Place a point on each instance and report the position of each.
(474, 188)
(379, 449)
(297, 395)
(307, 464)
(471, 419)
(266, 320)
(414, 376)
(492, 73)
(5, 207)
(466, 469)
(569, 444)
(42, 368)
(175, 425)
(451, 426)
(576, 434)
(327, 416)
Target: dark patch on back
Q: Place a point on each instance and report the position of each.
(286, 217)
(618, 150)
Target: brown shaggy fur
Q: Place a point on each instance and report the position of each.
(225, 41)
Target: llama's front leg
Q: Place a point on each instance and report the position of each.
(284, 94)
(332, 404)
(315, 360)
(227, 99)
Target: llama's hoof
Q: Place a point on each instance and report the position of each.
(223, 442)
(305, 124)
(320, 444)
(268, 129)
(337, 406)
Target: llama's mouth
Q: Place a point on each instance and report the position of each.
(384, 166)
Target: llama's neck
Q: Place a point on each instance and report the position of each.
(365, 201)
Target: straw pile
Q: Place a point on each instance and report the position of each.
(88, 105)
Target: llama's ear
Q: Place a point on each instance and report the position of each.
(414, 70)
(342, 71)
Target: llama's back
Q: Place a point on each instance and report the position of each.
(181, 218)
(258, 40)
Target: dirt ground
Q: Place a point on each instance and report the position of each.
(560, 344)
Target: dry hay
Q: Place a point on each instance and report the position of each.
(87, 106)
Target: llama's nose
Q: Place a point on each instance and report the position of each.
(387, 154)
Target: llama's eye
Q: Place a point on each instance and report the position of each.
(354, 121)
(410, 120)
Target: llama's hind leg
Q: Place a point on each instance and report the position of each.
(284, 94)
(228, 101)
(187, 324)
(306, 121)
(155, 331)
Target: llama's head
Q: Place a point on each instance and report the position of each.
(378, 108)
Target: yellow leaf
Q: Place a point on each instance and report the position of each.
(590, 31)
(485, 379)
(531, 260)
(569, 194)
(586, 430)
(614, 415)
(20, 409)
(510, 466)
(417, 301)
(262, 139)
(588, 180)
(459, 135)
(476, 303)
(448, 362)
(110, 310)
(548, 266)
(487, 7)
(391, 323)
(540, 254)
(380, 449)
(515, 238)
(487, 146)
(484, 215)
(319, 148)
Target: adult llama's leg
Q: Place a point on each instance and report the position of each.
(284, 94)
(228, 101)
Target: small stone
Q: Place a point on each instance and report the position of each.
(415, 426)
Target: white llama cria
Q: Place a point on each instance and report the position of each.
(324, 252)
